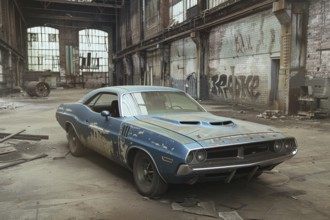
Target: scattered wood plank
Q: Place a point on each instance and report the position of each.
(6, 150)
(23, 160)
(29, 137)
(10, 136)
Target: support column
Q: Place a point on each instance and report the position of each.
(201, 40)
(292, 16)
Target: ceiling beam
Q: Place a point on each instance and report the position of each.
(92, 4)
(97, 18)
(81, 13)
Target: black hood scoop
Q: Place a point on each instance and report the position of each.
(215, 123)
(222, 123)
(189, 122)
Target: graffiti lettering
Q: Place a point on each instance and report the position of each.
(242, 44)
(245, 86)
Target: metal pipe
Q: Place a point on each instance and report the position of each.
(230, 177)
(253, 172)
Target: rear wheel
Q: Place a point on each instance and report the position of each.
(75, 146)
(146, 177)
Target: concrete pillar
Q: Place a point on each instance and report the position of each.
(201, 40)
(292, 15)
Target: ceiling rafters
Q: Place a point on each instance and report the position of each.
(38, 10)
(91, 4)
(76, 10)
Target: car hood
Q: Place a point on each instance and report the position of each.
(207, 128)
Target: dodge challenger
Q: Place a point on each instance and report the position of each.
(166, 137)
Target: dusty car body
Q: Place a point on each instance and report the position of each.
(165, 137)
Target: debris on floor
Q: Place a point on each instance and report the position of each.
(6, 150)
(12, 154)
(194, 206)
(62, 156)
(10, 136)
(20, 136)
(22, 160)
(233, 215)
(271, 114)
(7, 106)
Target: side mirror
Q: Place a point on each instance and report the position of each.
(105, 114)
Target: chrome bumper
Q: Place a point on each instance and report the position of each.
(186, 169)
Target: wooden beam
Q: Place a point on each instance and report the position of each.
(10, 136)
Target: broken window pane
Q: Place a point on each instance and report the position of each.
(178, 10)
(43, 49)
(93, 50)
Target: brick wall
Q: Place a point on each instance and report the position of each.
(318, 40)
(318, 46)
(245, 46)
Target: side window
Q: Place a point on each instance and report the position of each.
(103, 101)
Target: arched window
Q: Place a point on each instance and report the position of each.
(93, 50)
(43, 49)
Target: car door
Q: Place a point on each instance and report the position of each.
(104, 131)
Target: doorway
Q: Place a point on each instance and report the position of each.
(274, 79)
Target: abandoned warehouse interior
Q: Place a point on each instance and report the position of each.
(272, 53)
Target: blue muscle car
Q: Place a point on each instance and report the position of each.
(164, 136)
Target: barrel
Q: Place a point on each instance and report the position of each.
(37, 88)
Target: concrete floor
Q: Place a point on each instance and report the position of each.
(61, 186)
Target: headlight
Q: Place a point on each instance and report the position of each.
(287, 144)
(190, 157)
(278, 146)
(290, 144)
(201, 155)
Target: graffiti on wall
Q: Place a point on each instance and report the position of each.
(243, 43)
(246, 86)
(191, 84)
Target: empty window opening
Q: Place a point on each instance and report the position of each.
(181, 10)
(93, 50)
(43, 49)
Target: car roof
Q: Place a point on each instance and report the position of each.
(131, 88)
(120, 90)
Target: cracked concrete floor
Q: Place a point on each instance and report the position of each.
(61, 186)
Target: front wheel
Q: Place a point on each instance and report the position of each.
(146, 177)
(75, 146)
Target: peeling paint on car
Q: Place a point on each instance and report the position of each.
(98, 139)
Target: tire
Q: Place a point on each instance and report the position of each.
(75, 146)
(146, 177)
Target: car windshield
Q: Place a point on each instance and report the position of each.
(158, 102)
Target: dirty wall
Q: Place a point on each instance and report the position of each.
(153, 73)
(12, 46)
(243, 50)
(318, 50)
(183, 66)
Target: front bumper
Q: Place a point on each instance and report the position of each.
(220, 167)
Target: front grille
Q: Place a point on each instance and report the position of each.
(239, 150)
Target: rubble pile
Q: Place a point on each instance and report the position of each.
(7, 106)
(271, 114)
